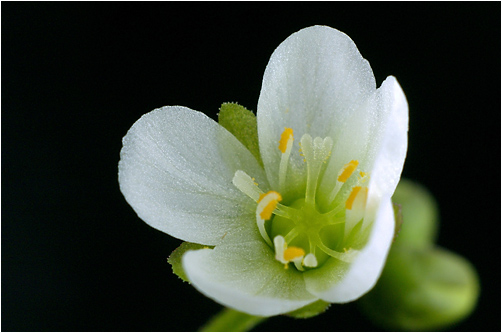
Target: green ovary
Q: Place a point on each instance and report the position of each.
(308, 229)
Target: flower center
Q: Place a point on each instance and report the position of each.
(302, 232)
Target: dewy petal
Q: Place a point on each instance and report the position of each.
(176, 168)
(246, 277)
(339, 282)
(314, 80)
(376, 136)
(389, 149)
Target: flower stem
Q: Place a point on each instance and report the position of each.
(229, 320)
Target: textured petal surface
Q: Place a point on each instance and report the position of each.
(314, 81)
(388, 151)
(246, 277)
(339, 282)
(176, 169)
(376, 136)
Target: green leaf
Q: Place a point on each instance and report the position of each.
(422, 289)
(242, 124)
(310, 310)
(419, 214)
(175, 258)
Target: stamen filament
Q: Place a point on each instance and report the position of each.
(263, 232)
(285, 211)
(344, 174)
(334, 211)
(291, 235)
(347, 256)
(335, 191)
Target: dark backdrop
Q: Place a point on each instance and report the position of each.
(75, 77)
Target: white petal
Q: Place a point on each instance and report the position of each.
(176, 169)
(391, 143)
(339, 282)
(246, 277)
(376, 136)
(315, 79)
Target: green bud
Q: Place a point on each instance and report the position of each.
(420, 214)
(422, 289)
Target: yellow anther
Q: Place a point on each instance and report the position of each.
(362, 174)
(293, 252)
(285, 137)
(347, 171)
(352, 197)
(357, 191)
(269, 202)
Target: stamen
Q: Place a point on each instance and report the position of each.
(285, 254)
(347, 171)
(356, 192)
(266, 205)
(286, 137)
(246, 185)
(285, 146)
(285, 211)
(344, 174)
(316, 152)
(293, 252)
(291, 235)
(352, 197)
(347, 256)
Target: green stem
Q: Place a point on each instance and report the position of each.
(229, 320)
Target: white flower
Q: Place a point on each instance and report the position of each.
(317, 221)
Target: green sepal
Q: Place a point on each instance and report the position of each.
(419, 214)
(422, 289)
(242, 124)
(310, 310)
(175, 258)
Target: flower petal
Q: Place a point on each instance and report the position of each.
(176, 168)
(390, 143)
(246, 277)
(312, 83)
(339, 282)
(376, 136)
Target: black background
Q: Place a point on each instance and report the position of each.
(75, 77)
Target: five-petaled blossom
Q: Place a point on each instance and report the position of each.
(316, 220)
